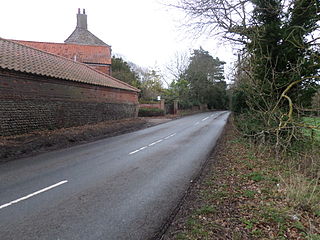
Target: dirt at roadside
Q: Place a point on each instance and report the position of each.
(13, 147)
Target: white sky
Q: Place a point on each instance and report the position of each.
(143, 31)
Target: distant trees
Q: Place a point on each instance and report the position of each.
(197, 80)
(124, 72)
(206, 79)
(148, 81)
(200, 82)
(151, 85)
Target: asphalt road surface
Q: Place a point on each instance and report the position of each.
(122, 187)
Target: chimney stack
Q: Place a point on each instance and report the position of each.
(82, 19)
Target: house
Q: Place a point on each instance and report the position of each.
(41, 90)
(81, 46)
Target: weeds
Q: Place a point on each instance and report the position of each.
(258, 196)
(255, 176)
(249, 193)
(205, 210)
(302, 192)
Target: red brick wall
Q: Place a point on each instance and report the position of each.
(105, 69)
(150, 105)
(159, 105)
(29, 102)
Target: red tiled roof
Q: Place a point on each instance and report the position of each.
(18, 57)
(82, 53)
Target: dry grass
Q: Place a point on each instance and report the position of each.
(245, 193)
(301, 192)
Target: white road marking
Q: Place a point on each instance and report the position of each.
(205, 119)
(151, 144)
(196, 123)
(170, 136)
(134, 152)
(140, 149)
(33, 194)
(154, 143)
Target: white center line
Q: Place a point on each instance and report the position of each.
(140, 149)
(151, 144)
(33, 194)
(170, 136)
(154, 143)
(134, 152)
(205, 119)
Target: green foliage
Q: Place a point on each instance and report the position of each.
(202, 82)
(255, 176)
(122, 71)
(250, 123)
(148, 81)
(280, 51)
(151, 85)
(179, 90)
(205, 78)
(316, 102)
(279, 70)
(238, 101)
(249, 193)
(314, 131)
(206, 210)
(148, 101)
(150, 112)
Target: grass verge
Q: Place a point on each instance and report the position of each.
(244, 193)
(314, 123)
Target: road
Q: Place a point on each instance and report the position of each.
(122, 187)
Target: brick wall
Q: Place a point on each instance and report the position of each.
(102, 68)
(150, 105)
(29, 102)
(160, 105)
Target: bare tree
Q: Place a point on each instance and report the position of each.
(230, 19)
(280, 57)
(178, 65)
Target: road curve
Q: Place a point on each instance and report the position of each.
(123, 187)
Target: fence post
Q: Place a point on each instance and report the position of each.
(175, 107)
(162, 104)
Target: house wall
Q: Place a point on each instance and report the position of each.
(30, 102)
(102, 68)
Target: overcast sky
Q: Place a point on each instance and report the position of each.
(143, 31)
